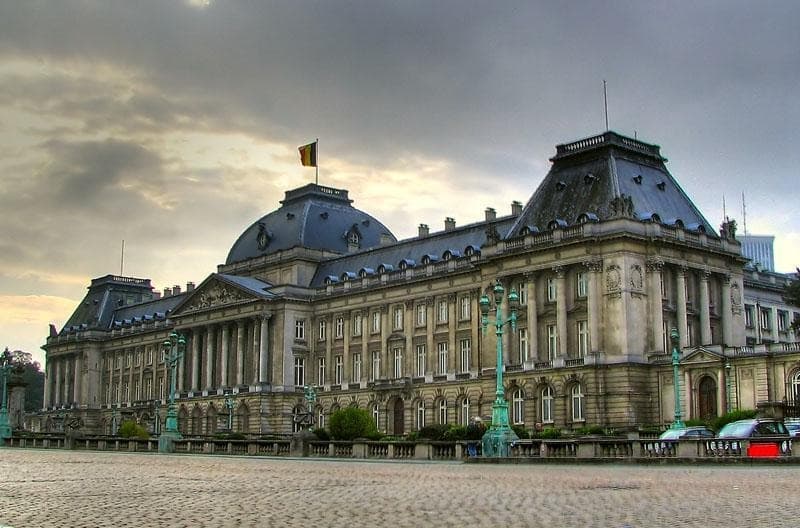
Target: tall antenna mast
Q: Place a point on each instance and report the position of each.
(724, 213)
(744, 216)
(122, 258)
(605, 102)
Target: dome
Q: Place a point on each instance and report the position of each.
(313, 217)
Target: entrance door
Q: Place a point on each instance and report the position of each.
(399, 422)
(707, 404)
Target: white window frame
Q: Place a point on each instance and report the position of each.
(547, 405)
(517, 407)
(552, 289)
(357, 324)
(465, 411)
(577, 403)
(420, 414)
(299, 371)
(398, 318)
(524, 345)
(376, 322)
(300, 329)
(338, 370)
(321, 371)
(421, 355)
(322, 330)
(375, 372)
(552, 341)
(397, 352)
(582, 285)
(522, 291)
(442, 411)
(422, 314)
(749, 313)
(465, 351)
(339, 329)
(465, 312)
(356, 367)
(442, 309)
(376, 415)
(582, 331)
(441, 357)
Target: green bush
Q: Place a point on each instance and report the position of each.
(130, 429)
(548, 433)
(475, 431)
(590, 430)
(455, 432)
(351, 423)
(321, 434)
(740, 414)
(434, 431)
(520, 431)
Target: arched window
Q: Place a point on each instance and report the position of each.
(320, 418)
(795, 387)
(517, 407)
(577, 403)
(442, 411)
(420, 414)
(376, 415)
(297, 412)
(464, 412)
(547, 405)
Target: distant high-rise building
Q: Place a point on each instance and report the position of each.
(758, 248)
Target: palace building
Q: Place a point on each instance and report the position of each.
(607, 256)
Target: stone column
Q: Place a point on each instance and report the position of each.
(475, 317)
(773, 324)
(595, 266)
(727, 336)
(132, 355)
(210, 346)
(430, 324)
(77, 379)
(561, 310)
(240, 344)
(48, 381)
(385, 361)
(195, 359)
(256, 347)
(408, 330)
(453, 354)
(225, 352)
(705, 315)
(721, 392)
(532, 317)
(654, 269)
(110, 393)
(681, 305)
(263, 355)
(180, 383)
(57, 372)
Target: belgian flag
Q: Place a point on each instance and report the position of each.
(308, 155)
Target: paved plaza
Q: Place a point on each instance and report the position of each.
(40, 488)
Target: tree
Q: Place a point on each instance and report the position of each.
(792, 296)
(33, 377)
(351, 423)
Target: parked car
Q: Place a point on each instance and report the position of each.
(793, 428)
(768, 438)
(753, 428)
(687, 432)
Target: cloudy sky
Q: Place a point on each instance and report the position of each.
(173, 125)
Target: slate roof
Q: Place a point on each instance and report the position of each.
(589, 174)
(105, 295)
(314, 217)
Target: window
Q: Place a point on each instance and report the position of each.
(547, 405)
(321, 371)
(667, 345)
(552, 293)
(117, 361)
(422, 312)
(398, 362)
(125, 392)
(357, 324)
(322, 328)
(441, 313)
(522, 291)
(137, 393)
(583, 338)
(148, 388)
(783, 321)
(320, 418)
(689, 332)
(577, 403)
(522, 334)
(398, 318)
(149, 355)
(552, 342)
(420, 349)
(764, 314)
(376, 365)
(464, 412)
(338, 370)
(420, 414)
(376, 322)
(161, 391)
(464, 308)
(442, 411)
(376, 415)
(749, 315)
(356, 368)
(517, 407)
(795, 388)
(299, 371)
(353, 238)
(582, 285)
(465, 353)
(442, 356)
(299, 329)
(128, 359)
(339, 331)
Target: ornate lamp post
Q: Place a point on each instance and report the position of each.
(498, 438)
(728, 369)
(5, 373)
(310, 396)
(676, 383)
(229, 404)
(173, 348)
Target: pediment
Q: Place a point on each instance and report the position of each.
(702, 355)
(217, 292)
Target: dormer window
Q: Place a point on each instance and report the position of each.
(353, 236)
(471, 250)
(637, 179)
(661, 186)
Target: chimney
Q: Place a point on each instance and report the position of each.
(386, 239)
(156, 295)
(176, 290)
(491, 214)
(167, 292)
(449, 224)
(423, 230)
(189, 286)
(516, 208)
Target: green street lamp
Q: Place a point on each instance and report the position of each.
(6, 364)
(728, 368)
(497, 440)
(229, 404)
(173, 348)
(676, 383)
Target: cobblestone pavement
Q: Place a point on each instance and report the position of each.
(40, 488)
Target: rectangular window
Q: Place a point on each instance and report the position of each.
(552, 342)
(582, 284)
(299, 329)
(161, 389)
(339, 327)
(321, 371)
(764, 318)
(577, 404)
(376, 322)
(420, 349)
(522, 291)
(749, 315)
(522, 334)
(441, 313)
(442, 355)
(783, 321)
(464, 311)
(357, 324)
(299, 371)
(398, 318)
(149, 355)
(376, 365)
(116, 361)
(338, 372)
(356, 368)
(552, 294)
(466, 347)
(321, 331)
(666, 343)
(137, 393)
(148, 388)
(689, 332)
(128, 359)
(125, 393)
(583, 338)
(398, 362)
(422, 314)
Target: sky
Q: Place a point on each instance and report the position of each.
(174, 124)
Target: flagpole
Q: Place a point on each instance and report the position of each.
(316, 179)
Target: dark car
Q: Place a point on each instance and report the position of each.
(793, 428)
(768, 438)
(753, 428)
(687, 432)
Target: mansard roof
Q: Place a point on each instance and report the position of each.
(314, 217)
(608, 176)
(465, 240)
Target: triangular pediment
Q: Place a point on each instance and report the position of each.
(221, 291)
(701, 355)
